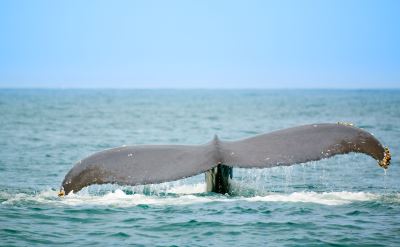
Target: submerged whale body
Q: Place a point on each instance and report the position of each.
(151, 164)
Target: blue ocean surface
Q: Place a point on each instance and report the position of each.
(347, 200)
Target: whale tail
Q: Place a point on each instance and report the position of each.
(149, 164)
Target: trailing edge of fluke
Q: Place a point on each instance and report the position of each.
(151, 164)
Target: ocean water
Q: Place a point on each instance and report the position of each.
(346, 200)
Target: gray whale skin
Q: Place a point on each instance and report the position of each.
(151, 164)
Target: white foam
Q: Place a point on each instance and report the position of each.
(121, 199)
(326, 198)
(182, 195)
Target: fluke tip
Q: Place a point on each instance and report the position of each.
(385, 162)
(61, 193)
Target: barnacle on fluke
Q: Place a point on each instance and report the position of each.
(385, 162)
(345, 123)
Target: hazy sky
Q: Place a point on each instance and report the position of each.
(200, 44)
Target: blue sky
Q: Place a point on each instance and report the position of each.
(200, 44)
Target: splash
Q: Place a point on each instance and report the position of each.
(180, 195)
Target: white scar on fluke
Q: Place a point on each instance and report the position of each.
(152, 164)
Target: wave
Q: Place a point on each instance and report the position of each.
(326, 198)
(180, 195)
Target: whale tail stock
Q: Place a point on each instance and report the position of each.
(149, 164)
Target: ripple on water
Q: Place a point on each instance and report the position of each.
(120, 235)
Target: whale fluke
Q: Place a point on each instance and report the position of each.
(150, 164)
(134, 165)
(302, 144)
